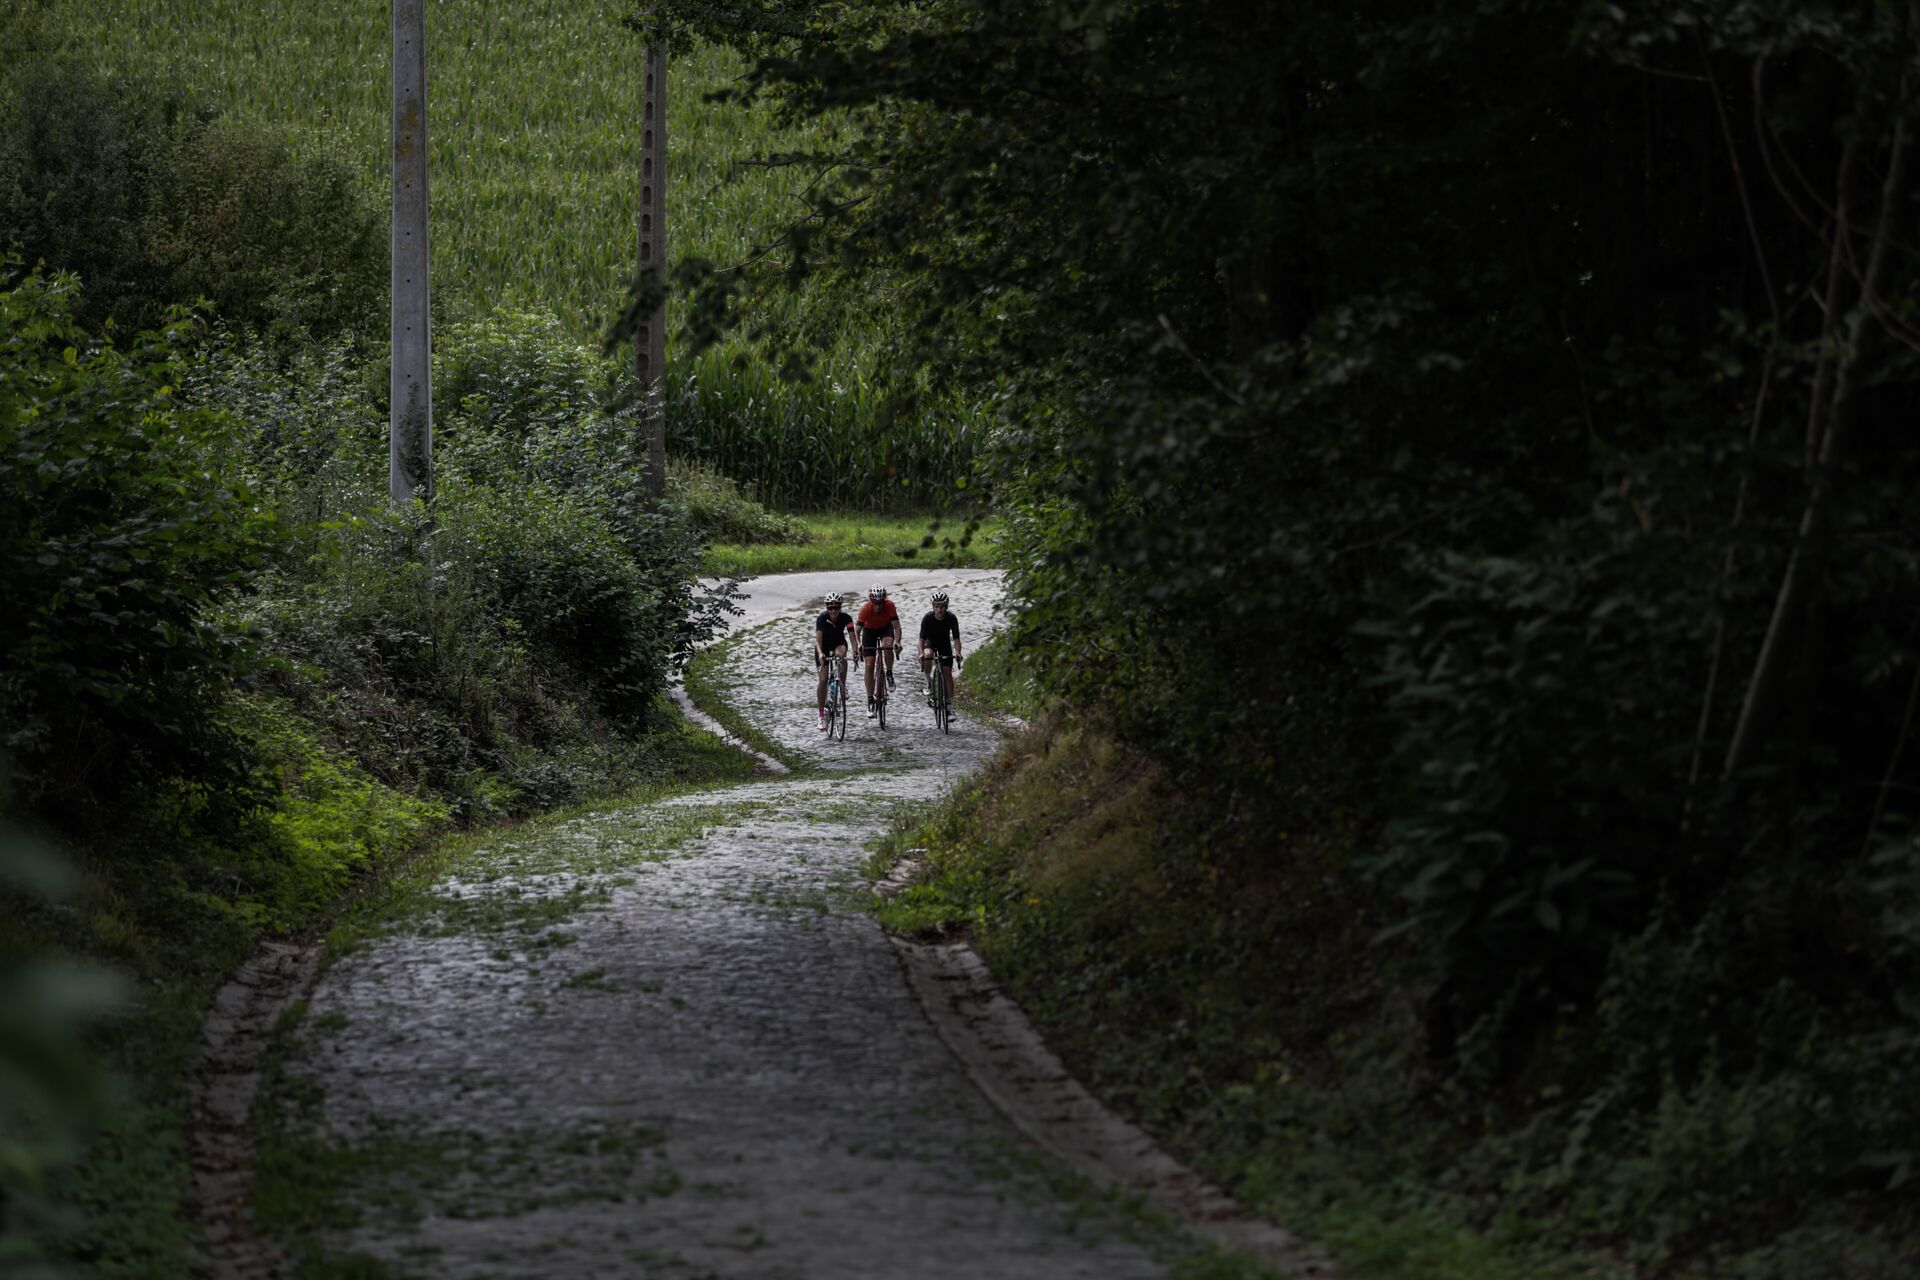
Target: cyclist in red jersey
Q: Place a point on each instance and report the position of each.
(878, 627)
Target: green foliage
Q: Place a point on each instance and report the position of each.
(153, 203)
(619, 624)
(118, 539)
(332, 821)
(274, 240)
(720, 512)
(817, 444)
(52, 1093)
(492, 653)
(1527, 694)
(1426, 438)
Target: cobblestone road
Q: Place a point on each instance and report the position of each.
(667, 1041)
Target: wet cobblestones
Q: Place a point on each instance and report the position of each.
(670, 1042)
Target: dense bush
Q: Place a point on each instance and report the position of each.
(563, 575)
(120, 536)
(495, 652)
(720, 512)
(153, 202)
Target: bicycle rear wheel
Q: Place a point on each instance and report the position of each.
(842, 731)
(943, 713)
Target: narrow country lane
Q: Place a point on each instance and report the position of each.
(668, 1041)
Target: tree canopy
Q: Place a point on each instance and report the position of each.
(1484, 430)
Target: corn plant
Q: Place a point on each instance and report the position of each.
(816, 444)
(532, 111)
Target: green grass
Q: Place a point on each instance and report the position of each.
(859, 542)
(996, 682)
(1272, 1068)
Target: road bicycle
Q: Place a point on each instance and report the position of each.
(880, 690)
(836, 705)
(940, 693)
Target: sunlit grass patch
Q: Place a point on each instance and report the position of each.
(994, 677)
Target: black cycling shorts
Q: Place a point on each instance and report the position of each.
(870, 640)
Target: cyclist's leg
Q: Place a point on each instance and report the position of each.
(820, 693)
(886, 647)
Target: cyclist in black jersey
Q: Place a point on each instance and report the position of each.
(940, 637)
(829, 641)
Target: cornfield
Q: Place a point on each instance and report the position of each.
(815, 445)
(534, 153)
(531, 121)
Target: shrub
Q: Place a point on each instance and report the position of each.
(119, 536)
(557, 569)
(152, 203)
(720, 512)
(1534, 761)
(277, 242)
(527, 402)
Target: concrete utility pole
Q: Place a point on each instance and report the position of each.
(410, 430)
(650, 343)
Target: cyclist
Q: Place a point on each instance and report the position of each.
(940, 637)
(878, 627)
(829, 641)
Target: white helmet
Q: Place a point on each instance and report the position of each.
(876, 592)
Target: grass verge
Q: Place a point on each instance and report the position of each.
(707, 687)
(997, 684)
(860, 542)
(1239, 1013)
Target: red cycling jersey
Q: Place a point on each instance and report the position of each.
(878, 617)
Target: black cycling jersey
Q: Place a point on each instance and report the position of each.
(832, 630)
(938, 633)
